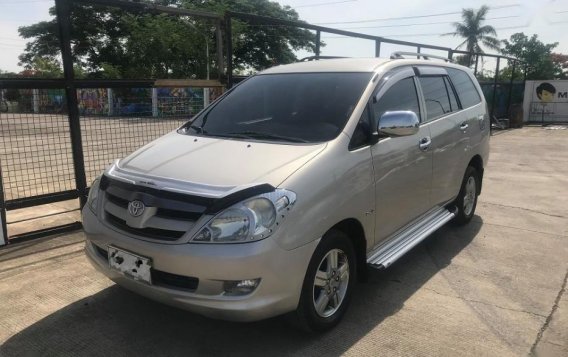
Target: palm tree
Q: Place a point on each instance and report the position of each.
(474, 32)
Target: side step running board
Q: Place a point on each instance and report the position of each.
(404, 241)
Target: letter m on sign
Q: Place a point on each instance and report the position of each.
(563, 95)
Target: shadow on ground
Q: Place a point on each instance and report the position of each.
(117, 322)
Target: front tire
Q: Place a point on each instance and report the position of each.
(467, 198)
(328, 283)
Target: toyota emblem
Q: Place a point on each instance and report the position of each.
(136, 208)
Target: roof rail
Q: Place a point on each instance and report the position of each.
(400, 55)
(315, 58)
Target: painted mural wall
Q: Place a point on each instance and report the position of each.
(546, 101)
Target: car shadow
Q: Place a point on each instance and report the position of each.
(117, 322)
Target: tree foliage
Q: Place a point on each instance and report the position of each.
(474, 32)
(113, 43)
(540, 61)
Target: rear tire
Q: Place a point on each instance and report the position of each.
(466, 202)
(328, 283)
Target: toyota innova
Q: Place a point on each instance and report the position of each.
(279, 196)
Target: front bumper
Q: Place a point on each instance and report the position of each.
(281, 272)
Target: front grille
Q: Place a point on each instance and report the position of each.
(154, 233)
(120, 202)
(162, 278)
(175, 213)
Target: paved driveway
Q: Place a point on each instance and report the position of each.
(495, 288)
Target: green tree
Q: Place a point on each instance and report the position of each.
(475, 33)
(7, 74)
(536, 55)
(113, 43)
(46, 67)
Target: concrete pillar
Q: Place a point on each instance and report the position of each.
(205, 97)
(154, 102)
(35, 100)
(110, 102)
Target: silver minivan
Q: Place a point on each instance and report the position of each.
(280, 195)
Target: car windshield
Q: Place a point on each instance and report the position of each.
(294, 107)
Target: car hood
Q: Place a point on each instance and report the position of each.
(216, 165)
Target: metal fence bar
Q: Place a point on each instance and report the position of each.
(274, 21)
(40, 199)
(476, 64)
(511, 87)
(3, 223)
(494, 88)
(31, 83)
(318, 42)
(63, 12)
(65, 228)
(220, 60)
(229, 36)
(377, 48)
(485, 54)
(150, 7)
(17, 83)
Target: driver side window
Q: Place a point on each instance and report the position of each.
(401, 96)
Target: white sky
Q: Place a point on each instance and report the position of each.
(547, 18)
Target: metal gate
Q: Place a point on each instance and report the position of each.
(52, 147)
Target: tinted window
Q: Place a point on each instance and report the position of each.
(453, 102)
(435, 96)
(401, 96)
(464, 87)
(302, 107)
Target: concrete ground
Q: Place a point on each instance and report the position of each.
(496, 287)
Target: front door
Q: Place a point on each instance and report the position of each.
(402, 165)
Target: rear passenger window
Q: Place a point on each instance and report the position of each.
(401, 96)
(468, 94)
(435, 96)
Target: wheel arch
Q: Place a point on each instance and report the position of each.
(354, 230)
(477, 163)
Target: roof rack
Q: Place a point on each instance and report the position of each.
(400, 55)
(315, 58)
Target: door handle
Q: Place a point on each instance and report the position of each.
(424, 143)
(464, 126)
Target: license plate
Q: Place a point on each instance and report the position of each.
(130, 265)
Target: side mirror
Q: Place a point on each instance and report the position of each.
(398, 123)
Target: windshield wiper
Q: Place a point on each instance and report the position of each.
(260, 135)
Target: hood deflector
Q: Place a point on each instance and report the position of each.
(154, 196)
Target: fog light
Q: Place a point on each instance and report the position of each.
(240, 287)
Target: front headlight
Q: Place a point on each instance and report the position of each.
(250, 220)
(94, 195)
